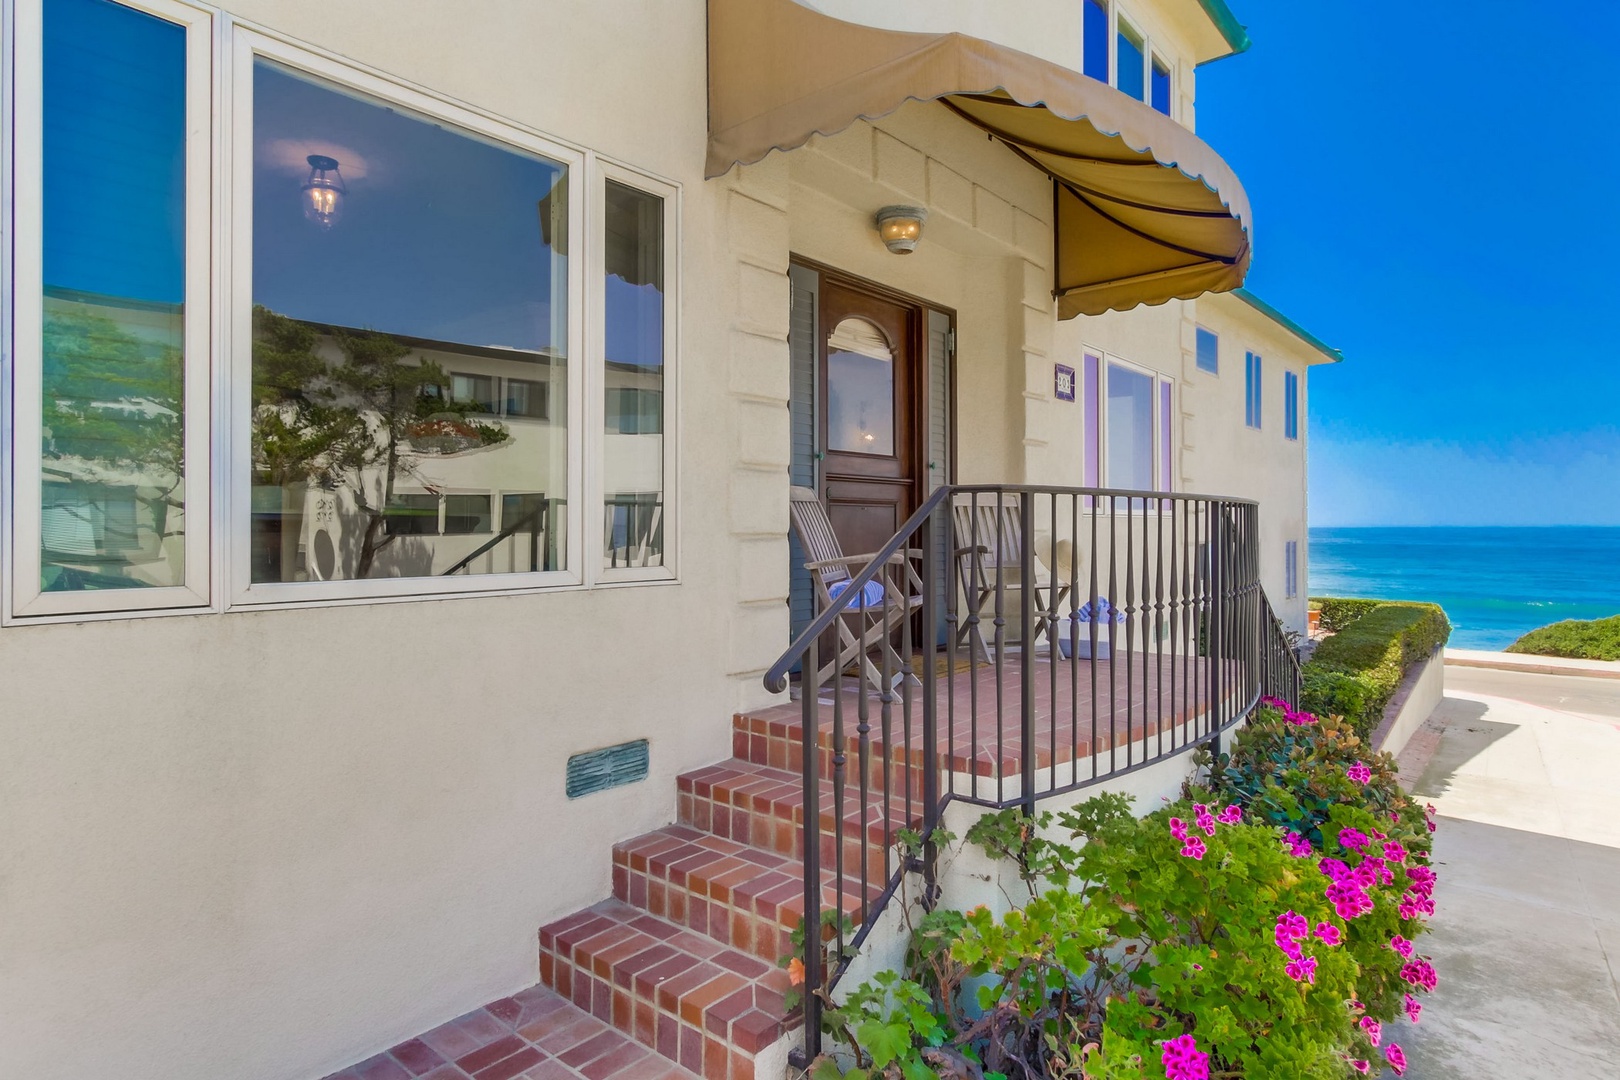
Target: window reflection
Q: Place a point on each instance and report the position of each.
(409, 363)
(112, 348)
(633, 467)
(1130, 429)
(860, 390)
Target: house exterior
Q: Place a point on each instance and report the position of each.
(398, 413)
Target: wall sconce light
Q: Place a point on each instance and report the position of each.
(901, 227)
(323, 192)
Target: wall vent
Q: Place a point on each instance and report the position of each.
(609, 767)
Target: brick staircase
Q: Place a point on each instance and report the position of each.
(683, 958)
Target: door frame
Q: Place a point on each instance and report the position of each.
(918, 344)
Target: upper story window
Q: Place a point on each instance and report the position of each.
(1251, 389)
(1209, 351)
(404, 336)
(1114, 50)
(1290, 405)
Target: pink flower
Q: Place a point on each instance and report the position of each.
(1359, 772)
(1414, 1008)
(1396, 1058)
(1298, 846)
(1328, 933)
(1401, 945)
(1178, 828)
(1420, 972)
(1348, 900)
(1182, 1060)
(1360, 1065)
(1301, 970)
(1292, 925)
(1232, 815)
(1333, 868)
(1193, 848)
(1394, 851)
(1374, 1030)
(1300, 718)
(1205, 820)
(1352, 838)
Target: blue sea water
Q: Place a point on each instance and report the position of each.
(1495, 583)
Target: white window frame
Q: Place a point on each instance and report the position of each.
(246, 46)
(596, 457)
(21, 428)
(218, 335)
(1159, 380)
(1151, 46)
(1254, 390)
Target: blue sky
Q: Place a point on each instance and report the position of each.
(1433, 193)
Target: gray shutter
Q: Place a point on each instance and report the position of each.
(938, 465)
(806, 289)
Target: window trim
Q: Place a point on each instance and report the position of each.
(246, 46)
(23, 321)
(1159, 380)
(1197, 362)
(596, 446)
(1291, 381)
(1152, 46)
(1253, 390)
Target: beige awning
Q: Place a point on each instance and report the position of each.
(1146, 211)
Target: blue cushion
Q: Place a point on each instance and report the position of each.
(871, 594)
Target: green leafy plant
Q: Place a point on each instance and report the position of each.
(1590, 639)
(1355, 672)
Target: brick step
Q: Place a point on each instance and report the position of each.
(742, 897)
(532, 1035)
(686, 995)
(775, 739)
(764, 807)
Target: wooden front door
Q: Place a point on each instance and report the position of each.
(867, 369)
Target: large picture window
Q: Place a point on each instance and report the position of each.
(402, 269)
(389, 334)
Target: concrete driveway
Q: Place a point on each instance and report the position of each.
(1525, 771)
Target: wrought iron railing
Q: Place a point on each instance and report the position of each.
(1061, 637)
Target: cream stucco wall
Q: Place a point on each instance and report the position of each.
(262, 845)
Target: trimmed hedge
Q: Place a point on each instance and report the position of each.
(1594, 639)
(1355, 672)
(1339, 612)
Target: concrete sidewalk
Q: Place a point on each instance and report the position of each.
(1527, 934)
(1543, 665)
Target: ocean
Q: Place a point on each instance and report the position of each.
(1495, 583)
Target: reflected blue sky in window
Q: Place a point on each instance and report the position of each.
(635, 323)
(1161, 88)
(440, 236)
(114, 151)
(1130, 62)
(1095, 32)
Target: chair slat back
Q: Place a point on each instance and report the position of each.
(816, 537)
(994, 523)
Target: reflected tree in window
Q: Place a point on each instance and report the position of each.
(363, 415)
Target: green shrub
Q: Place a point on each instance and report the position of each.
(1338, 612)
(1374, 651)
(1595, 639)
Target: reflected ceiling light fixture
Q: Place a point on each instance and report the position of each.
(901, 227)
(323, 192)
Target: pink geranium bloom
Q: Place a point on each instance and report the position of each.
(1395, 851)
(1328, 934)
(1401, 945)
(1420, 972)
(1303, 970)
(1414, 1008)
(1178, 828)
(1354, 839)
(1193, 848)
(1232, 815)
(1374, 1030)
(1182, 1060)
(1298, 846)
(1396, 1058)
(1361, 1065)
(1359, 772)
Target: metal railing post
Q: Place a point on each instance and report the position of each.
(1026, 667)
(933, 581)
(810, 697)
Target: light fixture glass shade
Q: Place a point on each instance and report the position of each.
(323, 192)
(901, 227)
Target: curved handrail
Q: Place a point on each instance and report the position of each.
(776, 677)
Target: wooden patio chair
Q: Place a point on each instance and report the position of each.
(902, 588)
(989, 540)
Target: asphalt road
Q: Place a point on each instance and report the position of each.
(1566, 693)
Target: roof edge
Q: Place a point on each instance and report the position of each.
(1235, 33)
(1332, 355)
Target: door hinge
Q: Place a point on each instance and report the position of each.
(950, 343)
